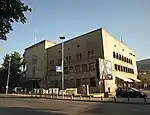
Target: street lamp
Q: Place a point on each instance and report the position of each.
(62, 66)
(7, 86)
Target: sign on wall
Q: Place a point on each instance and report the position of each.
(105, 69)
(58, 69)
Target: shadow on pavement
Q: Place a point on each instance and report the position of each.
(118, 109)
(28, 111)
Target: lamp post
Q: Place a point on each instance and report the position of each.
(7, 86)
(62, 66)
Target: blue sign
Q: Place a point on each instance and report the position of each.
(58, 69)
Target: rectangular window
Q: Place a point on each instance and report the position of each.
(84, 68)
(132, 71)
(77, 56)
(92, 66)
(53, 73)
(66, 83)
(119, 56)
(77, 68)
(116, 67)
(92, 53)
(72, 83)
(121, 68)
(71, 69)
(52, 62)
(51, 83)
(69, 58)
(78, 82)
(114, 55)
(56, 83)
(124, 69)
(80, 56)
(58, 61)
(66, 70)
(85, 81)
(92, 82)
(88, 53)
(128, 70)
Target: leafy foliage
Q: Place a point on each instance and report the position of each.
(11, 11)
(16, 65)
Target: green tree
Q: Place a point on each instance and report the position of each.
(16, 64)
(11, 11)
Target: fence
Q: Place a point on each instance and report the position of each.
(85, 98)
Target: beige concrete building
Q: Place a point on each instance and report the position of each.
(80, 55)
(35, 58)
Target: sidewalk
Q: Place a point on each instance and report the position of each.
(87, 99)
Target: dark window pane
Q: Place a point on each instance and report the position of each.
(84, 68)
(77, 68)
(114, 55)
(92, 82)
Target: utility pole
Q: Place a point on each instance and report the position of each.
(62, 38)
(7, 86)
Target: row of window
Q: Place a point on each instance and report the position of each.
(122, 58)
(80, 68)
(79, 55)
(69, 48)
(73, 83)
(76, 68)
(123, 69)
(68, 58)
(132, 54)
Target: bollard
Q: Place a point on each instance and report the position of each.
(90, 97)
(101, 98)
(145, 99)
(128, 99)
(71, 96)
(114, 98)
(63, 96)
(80, 97)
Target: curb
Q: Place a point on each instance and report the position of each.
(125, 102)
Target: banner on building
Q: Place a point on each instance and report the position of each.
(105, 69)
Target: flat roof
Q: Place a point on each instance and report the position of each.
(39, 43)
(77, 37)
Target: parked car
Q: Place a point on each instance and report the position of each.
(130, 92)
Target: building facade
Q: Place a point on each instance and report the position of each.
(79, 67)
(35, 58)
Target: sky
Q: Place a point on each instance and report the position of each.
(49, 19)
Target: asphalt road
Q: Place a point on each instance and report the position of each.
(20, 106)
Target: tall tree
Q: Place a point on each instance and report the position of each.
(11, 11)
(16, 64)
